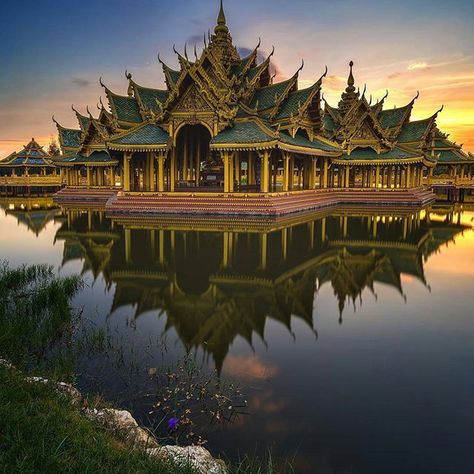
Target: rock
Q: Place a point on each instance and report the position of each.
(196, 457)
(70, 391)
(123, 422)
(5, 363)
(62, 387)
(36, 380)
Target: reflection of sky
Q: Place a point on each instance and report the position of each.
(52, 52)
(391, 387)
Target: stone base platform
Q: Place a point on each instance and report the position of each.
(271, 205)
(84, 197)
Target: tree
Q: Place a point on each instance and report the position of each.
(53, 149)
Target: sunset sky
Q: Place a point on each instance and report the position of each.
(52, 52)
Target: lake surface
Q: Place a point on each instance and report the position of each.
(350, 332)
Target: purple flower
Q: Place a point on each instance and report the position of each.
(173, 423)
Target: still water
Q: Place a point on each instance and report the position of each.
(351, 333)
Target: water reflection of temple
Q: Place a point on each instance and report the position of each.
(33, 212)
(216, 280)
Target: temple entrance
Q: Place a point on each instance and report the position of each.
(197, 167)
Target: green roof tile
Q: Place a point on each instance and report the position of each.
(414, 131)
(299, 140)
(328, 123)
(237, 69)
(126, 108)
(149, 134)
(293, 101)
(370, 154)
(393, 117)
(267, 96)
(149, 97)
(70, 138)
(449, 156)
(95, 157)
(83, 121)
(243, 132)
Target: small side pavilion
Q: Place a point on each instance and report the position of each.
(30, 171)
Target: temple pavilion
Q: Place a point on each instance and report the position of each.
(30, 171)
(222, 128)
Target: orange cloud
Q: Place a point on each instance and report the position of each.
(248, 368)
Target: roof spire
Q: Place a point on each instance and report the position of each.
(350, 79)
(350, 95)
(221, 22)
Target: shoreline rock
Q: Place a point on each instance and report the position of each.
(124, 424)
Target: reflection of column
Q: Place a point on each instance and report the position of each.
(344, 226)
(128, 245)
(263, 251)
(172, 241)
(311, 234)
(284, 243)
(153, 244)
(226, 249)
(161, 251)
(405, 227)
(374, 228)
(323, 229)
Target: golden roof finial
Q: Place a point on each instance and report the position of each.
(350, 79)
(221, 26)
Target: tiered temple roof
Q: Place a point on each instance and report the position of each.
(369, 133)
(32, 155)
(236, 95)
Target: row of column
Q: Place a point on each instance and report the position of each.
(378, 176)
(95, 176)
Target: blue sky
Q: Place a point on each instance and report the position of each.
(53, 52)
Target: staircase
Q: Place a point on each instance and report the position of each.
(275, 204)
(80, 196)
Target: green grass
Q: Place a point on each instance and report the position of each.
(40, 430)
(41, 433)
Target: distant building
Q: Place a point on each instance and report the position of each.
(30, 171)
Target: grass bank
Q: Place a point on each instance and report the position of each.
(40, 430)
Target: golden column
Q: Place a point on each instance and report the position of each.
(347, 174)
(225, 161)
(250, 168)
(312, 173)
(377, 176)
(126, 171)
(160, 177)
(325, 173)
(173, 169)
(286, 171)
(264, 171)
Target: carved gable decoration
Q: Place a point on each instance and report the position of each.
(365, 132)
(192, 101)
